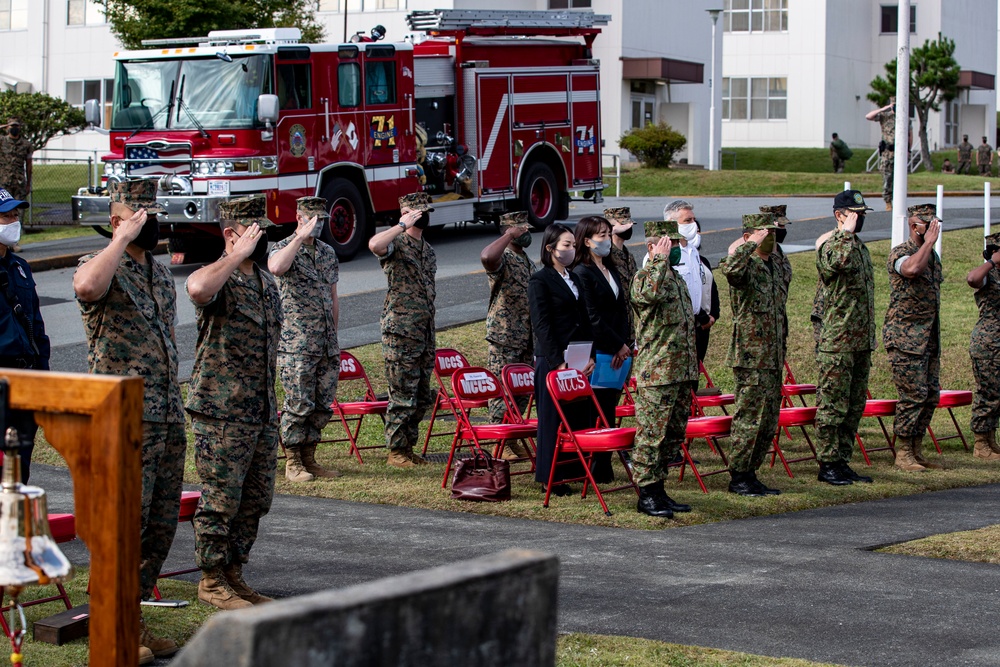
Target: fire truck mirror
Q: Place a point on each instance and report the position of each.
(92, 112)
(267, 109)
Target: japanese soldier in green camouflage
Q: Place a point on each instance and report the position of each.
(984, 348)
(912, 334)
(307, 271)
(757, 350)
(128, 303)
(231, 400)
(508, 322)
(666, 366)
(622, 258)
(408, 340)
(781, 231)
(847, 337)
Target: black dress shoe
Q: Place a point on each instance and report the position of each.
(652, 503)
(766, 490)
(853, 476)
(742, 485)
(832, 474)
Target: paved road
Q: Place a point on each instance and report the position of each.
(462, 291)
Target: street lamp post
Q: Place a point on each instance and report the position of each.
(713, 162)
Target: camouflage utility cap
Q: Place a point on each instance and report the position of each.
(135, 193)
(778, 211)
(993, 239)
(925, 212)
(13, 120)
(514, 219)
(418, 201)
(620, 216)
(758, 221)
(312, 206)
(661, 228)
(245, 211)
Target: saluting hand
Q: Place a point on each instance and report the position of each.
(850, 221)
(933, 231)
(759, 235)
(246, 243)
(619, 229)
(663, 246)
(130, 227)
(409, 217)
(306, 226)
(516, 231)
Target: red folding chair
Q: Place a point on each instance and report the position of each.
(446, 362)
(699, 402)
(473, 388)
(627, 407)
(710, 428)
(790, 418)
(878, 408)
(518, 382)
(951, 398)
(353, 413)
(790, 388)
(189, 503)
(569, 386)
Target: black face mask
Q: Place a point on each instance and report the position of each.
(14, 131)
(423, 221)
(259, 254)
(989, 252)
(523, 241)
(779, 235)
(627, 234)
(149, 236)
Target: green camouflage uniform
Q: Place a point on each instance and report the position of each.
(624, 260)
(130, 331)
(757, 349)
(984, 155)
(816, 316)
(847, 338)
(233, 408)
(912, 340)
(408, 340)
(309, 354)
(666, 364)
(14, 156)
(508, 322)
(964, 158)
(984, 348)
(784, 264)
(887, 121)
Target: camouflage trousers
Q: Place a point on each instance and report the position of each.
(500, 356)
(964, 167)
(662, 413)
(917, 381)
(985, 168)
(986, 399)
(236, 463)
(758, 400)
(840, 401)
(886, 166)
(310, 383)
(163, 449)
(409, 366)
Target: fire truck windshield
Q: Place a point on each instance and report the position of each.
(218, 94)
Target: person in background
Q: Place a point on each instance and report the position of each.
(840, 152)
(965, 156)
(886, 118)
(984, 158)
(622, 258)
(696, 272)
(984, 348)
(947, 167)
(15, 160)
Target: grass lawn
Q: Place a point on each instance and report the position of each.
(977, 546)
(39, 234)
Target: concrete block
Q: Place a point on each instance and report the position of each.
(494, 611)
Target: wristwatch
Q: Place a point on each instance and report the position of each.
(402, 225)
(990, 260)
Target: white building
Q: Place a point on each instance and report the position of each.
(795, 71)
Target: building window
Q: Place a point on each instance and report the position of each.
(890, 19)
(951, 115)
(569, 4)
(78, 92)
(13, 14)
(361, 5)
(84, 12)
(754, 98)
(755, 16)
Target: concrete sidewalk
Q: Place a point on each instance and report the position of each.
(803, 584)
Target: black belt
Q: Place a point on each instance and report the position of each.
(16, 362)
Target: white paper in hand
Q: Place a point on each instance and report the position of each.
(577, 355)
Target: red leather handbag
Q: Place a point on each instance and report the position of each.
(481, 478)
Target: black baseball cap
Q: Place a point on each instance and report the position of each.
(851, 200)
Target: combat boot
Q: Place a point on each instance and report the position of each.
(743, 486)
(145, 655)
(416, 459)
(672, 504)
(400, 458)
(904, 456)
(159, 647)
(652, 503)
(982, 449)
(849, 473)
(918, 455)
(761, 487)
(991, 439)
(234, 577)
(215, 591)
(515, 449)
(832, 474)
(294, 470)
(313, 467)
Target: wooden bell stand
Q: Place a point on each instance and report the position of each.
(95, 422)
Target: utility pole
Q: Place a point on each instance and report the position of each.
(902, 144)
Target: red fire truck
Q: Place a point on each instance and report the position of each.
(491, 112)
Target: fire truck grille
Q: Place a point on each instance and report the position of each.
(157, 157)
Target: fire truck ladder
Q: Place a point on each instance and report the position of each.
(459, 22)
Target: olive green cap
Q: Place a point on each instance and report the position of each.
(758, 221)
(245, 211)
(661, 228)
(135, 193)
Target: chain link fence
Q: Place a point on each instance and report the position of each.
(56, 175)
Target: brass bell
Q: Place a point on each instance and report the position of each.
(29, 555)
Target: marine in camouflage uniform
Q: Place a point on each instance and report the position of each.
(621, 256)
(886, 119)
(984, 348)
(912, 336)
(964, 156)
(784, 264)
(15, 161)
(666, 367)
(984, 158)
(129, 304)
(232, 402)
(847, 338)
(307, 272)
(508, 322)
(756, 351)
(408, 340)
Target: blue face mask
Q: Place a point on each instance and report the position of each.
(601, 248)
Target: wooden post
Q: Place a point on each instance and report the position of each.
(95, 422)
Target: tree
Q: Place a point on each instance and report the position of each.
(653, 145)
(933, 79)
(42, 116)
(135, 20)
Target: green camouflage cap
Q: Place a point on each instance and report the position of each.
(661, 228)
(245, 211)
(758, 221)
(418, 201)
(618, 216)
(925, 212)
(312, 206)
(993, 239)
(778, 211)
(135, 193)
(514, 219)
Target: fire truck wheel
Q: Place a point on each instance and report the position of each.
(539, 195)
(347, 229)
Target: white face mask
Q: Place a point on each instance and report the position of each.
(10, 234)
(688, 231)
(695, 242)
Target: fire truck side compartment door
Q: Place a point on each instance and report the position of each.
(493, 130)
(298, 132)
(586, 142)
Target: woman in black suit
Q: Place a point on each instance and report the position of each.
(607, 309)
(558, 317)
